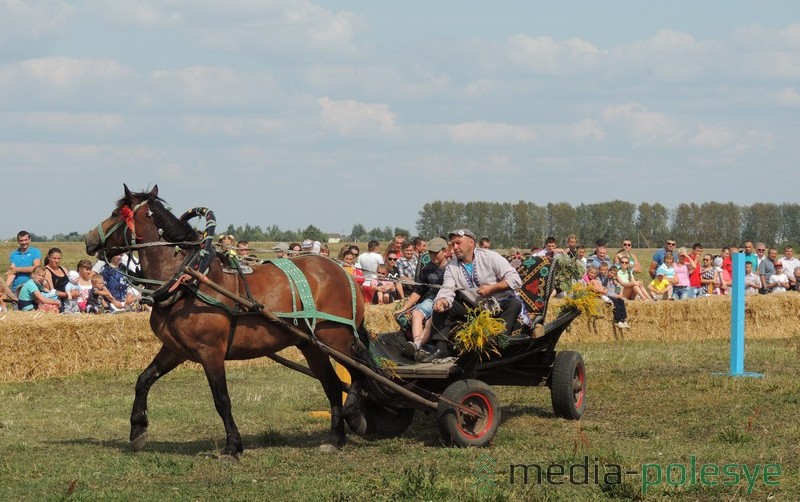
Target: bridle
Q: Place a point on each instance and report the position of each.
(199, 260)
(126, 217)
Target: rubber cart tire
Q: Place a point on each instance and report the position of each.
(386, 423)
(568, 385)
(460, 428)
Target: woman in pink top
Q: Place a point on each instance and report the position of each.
(682, 289)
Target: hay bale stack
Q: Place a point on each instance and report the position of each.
(766, 316)
(34, 345)
(38, 345)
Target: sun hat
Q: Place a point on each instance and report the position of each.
(436, 244)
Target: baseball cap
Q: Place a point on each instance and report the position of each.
(73, 275)
(307, 244)
(660, 273)
(436, 244)
(281, 246)
(461, 232)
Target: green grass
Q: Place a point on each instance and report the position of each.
(648, 403)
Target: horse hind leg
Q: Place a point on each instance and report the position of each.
(320, 365)
(165, 361)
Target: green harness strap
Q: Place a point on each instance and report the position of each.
(300, 287)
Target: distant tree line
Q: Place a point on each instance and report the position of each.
(525, 224)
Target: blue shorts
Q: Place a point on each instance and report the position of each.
(426, 307)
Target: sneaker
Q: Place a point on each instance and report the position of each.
(606, 299)
(626, 324)
(409, 350)
(620, 325)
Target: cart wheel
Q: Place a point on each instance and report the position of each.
(460, 428)
(386, 423)
(568, 385)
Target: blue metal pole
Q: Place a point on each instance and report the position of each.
(737, 316)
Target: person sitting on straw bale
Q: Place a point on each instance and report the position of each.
(34, 295)
(778, 282)
(385, 289)
(73, 292)
(752, 283)
(660, 287)
(100, 298)
(723, 278)
(796, 279)
(707, 276)
(603, 286)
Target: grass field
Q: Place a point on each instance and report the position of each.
(655, 403)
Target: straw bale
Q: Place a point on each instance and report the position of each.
(766, 316)
(37, 345)
(380, 318)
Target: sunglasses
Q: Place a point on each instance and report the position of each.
(624, 262)
(761, 249)
(626, 244)
(670, 244)
(391, 259)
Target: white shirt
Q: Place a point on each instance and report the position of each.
(368, 262)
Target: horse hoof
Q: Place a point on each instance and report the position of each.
(138, 442)
(329, 448)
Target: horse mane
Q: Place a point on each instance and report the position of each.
(174, 229)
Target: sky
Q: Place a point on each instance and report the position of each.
(331, 113)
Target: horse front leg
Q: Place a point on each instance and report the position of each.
(320, 365)
(215, 373)
(165, 361)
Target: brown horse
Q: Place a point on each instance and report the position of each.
(197, 324)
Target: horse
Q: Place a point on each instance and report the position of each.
(196, 323)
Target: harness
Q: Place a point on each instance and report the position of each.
(169, 292)
(299, 286)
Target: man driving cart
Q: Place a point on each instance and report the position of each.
(473, 274)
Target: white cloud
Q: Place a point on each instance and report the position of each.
(669, 54)
(280, 26)
(352, 118)
(711, 137)
(22, 20)
(789, 96)
(588, 130)
(548, 56)
(230, 126)
(481, 132)
(645, 127)
(373, 80)
(65, 81)
(83, 124)
(214, 87)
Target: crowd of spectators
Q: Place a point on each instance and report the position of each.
(391, 273)
(49, 287)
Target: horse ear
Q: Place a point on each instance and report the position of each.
(127, 192)
(154, 191)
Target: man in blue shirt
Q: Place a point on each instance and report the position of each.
(658, 256)
(23, 259)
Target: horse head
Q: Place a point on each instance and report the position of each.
(138, 217)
